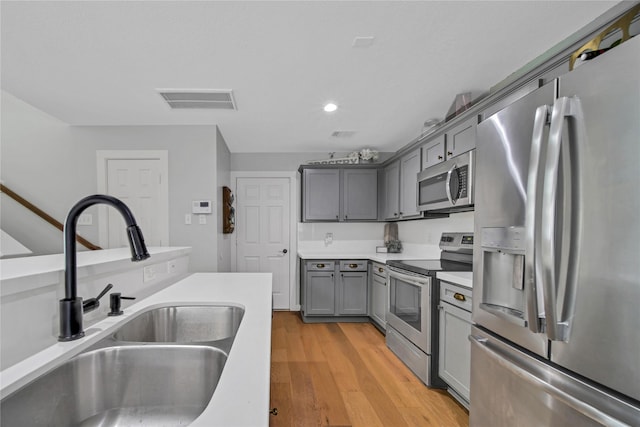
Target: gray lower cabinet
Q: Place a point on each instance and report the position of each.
(454, 353)
(333, 289)
(352, 287)
(320, 293)
(378, 297)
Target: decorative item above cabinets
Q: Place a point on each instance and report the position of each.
(228, 211)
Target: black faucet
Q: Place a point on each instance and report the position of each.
(71, 306)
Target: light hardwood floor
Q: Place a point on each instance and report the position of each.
(342, 374)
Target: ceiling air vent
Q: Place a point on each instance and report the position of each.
(343, 133)
(207, 99)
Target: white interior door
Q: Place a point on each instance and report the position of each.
(262, 224)
(137, 182)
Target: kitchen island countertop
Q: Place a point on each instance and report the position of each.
(242, 395)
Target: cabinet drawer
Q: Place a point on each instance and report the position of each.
(456, 295)
(358, 265)
(379, 269)
(320, 265)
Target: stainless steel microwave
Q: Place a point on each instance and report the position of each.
(447, 186)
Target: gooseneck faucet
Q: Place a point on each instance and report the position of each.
(71, 306)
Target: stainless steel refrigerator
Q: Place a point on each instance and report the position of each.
(557, 252)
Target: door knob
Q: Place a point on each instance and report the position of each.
(284, 251)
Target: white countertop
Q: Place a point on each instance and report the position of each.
(242, 395)
(12, 268)
(373, 256)
(462, 278)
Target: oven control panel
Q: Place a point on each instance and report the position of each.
(456, 242)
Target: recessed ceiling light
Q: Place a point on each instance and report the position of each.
(330, 107)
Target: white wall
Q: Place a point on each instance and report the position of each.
(54, 165)
(34, 149)
(192, 175)
(428, 231)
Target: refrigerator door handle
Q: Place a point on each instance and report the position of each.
(557, 324)
(532, 268)
(513, 365)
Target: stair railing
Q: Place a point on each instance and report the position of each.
(45, 216)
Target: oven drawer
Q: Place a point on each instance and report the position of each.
(456, 295)
(357, 265)
(320, 265)
(416, 360)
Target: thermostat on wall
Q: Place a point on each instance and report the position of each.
(201, 207)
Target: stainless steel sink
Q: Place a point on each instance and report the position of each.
(152, 385)
(160, 368)
(213, 325)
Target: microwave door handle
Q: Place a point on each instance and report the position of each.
(448, 185)
(558, 325)
(532, 266)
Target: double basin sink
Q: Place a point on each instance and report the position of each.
(160, 368)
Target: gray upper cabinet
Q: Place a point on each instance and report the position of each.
(409, 169)
(339, 194)
(400, 187)
(321, 195)
(359, 194)
(391, 191)
(461, 138)
(457, 140)
(433, 151)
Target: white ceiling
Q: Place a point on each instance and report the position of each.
(100, 63)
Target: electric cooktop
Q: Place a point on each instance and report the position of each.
(456, 255)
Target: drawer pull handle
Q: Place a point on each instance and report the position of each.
(320, 265)
(381, 270)
(353, 265)
(459, 297)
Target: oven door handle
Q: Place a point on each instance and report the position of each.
(418, 281)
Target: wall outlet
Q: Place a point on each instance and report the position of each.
(172, 266)
(85, 219)
(202, 219)
(328, 239)
(148, 273)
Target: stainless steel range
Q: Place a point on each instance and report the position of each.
(412, 320)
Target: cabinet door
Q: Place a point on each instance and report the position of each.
(409, 168)
(454, 366)
(352, 298)
(320, 293)
(321, 195)
(461, 138)
(360, 194)
(392, 191)
(433, 152)
(379, 300)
